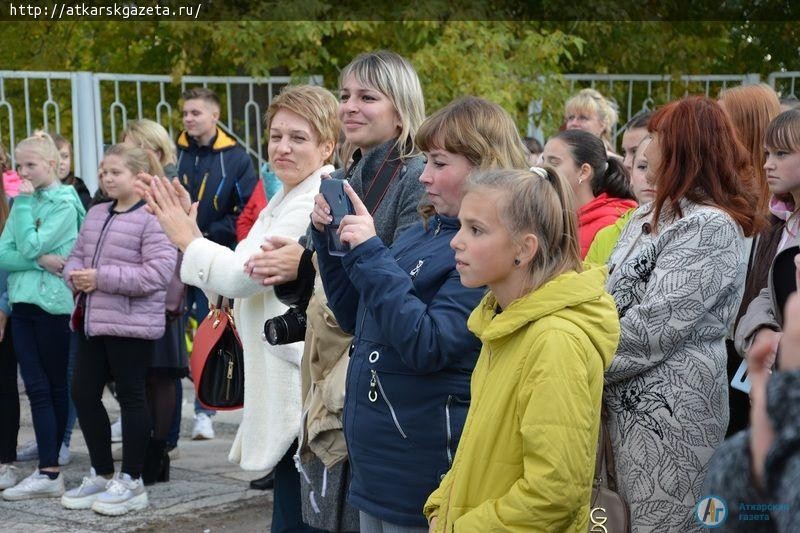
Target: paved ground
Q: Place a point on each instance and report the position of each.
(205, 493)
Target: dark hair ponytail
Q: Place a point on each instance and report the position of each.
(608, 174)
(614, 181)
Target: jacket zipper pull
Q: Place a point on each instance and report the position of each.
(373, 390)
(438, 227)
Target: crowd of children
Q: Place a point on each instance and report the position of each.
(489, 315)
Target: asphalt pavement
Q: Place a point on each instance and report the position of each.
(205, 493)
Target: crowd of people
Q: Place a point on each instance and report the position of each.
(460, 345)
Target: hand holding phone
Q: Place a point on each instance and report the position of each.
(340, 206)
(357, 228)
(741, 381)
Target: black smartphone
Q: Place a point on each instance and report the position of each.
(341, 206)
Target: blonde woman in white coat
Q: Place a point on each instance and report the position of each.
(302, 128)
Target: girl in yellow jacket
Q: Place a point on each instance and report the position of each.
(526, 457)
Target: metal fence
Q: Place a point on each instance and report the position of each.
(787, 84)
(31, 100)
(92, 109)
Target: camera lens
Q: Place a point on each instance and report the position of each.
(287, 328)
(275, 330)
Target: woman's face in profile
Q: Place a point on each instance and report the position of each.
(653, 155)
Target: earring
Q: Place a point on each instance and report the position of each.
(516, 262)
(580, 180)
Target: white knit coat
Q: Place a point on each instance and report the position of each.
(272, 408)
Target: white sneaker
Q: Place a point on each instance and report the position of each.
(122, 494)
(28, 451)
(203, 429)
(84, 496)
(64, 456)
(36, 485)
(116, 431)
(9, 475)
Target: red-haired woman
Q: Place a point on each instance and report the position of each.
(677, 275)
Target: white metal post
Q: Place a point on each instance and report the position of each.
(91, 140)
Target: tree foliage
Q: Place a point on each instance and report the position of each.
(510, 62)
(503, 61)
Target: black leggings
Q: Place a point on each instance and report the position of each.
(161, 399)
(124, 360)
(9, 400)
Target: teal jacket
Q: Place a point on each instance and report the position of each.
(45, 222)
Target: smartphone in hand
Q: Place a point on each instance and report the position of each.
(741, 381)
(341, 206)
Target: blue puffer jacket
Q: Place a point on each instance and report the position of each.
(220, 177)
(408, 380)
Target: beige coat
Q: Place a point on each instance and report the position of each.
(323, 373)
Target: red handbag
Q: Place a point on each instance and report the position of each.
(217, 361)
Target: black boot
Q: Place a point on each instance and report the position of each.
(156, 462)
(263, 483)
(163, 475)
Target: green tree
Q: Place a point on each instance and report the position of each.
(506, 61)
(503, 61)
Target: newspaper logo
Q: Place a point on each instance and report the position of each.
(711, 511)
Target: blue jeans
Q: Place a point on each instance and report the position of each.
(72, 415)
(287, 510)
(41, 342)
(175, 427)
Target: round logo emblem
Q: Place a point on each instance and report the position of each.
(711, 511)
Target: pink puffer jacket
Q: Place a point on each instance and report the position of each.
(135, 262)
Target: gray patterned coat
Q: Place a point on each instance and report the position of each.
(677, 293)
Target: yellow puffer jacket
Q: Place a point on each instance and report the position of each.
(526, 457)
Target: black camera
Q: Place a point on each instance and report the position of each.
(287, 328)
(291, 326)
